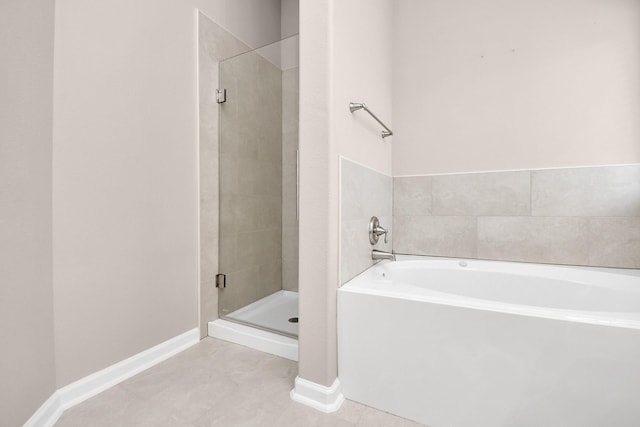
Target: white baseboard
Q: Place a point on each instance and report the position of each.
(47, 414)
(87, 387)
(258, 339)
(322, 398)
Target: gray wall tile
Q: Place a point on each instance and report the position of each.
(257, 200)
(355, 248)
(364, 193)
(412, 195)
(241, 287)
(290, 101)
(547, 240)
(208, 166)
(270, 277)
(495, 193)
(208, 258)
(290, 258)
(351, 187)
(436, 235)
(592, 191)
(217, 42)
(583, 216)
(228, 256)
(251, 179)
(614, 242)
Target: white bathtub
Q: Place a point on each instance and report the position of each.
(480, 343)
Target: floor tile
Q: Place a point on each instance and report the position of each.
(216, 383)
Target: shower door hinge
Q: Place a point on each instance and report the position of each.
(221, 281)
(221, 96)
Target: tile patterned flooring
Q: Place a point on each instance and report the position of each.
(216, 383)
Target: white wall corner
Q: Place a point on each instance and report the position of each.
(317, 396)
(81, 390)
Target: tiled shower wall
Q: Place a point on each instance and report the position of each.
(579, 216)
(250, 180)
(214, 44)
(289, 179)
(364, 193)
(248, 206)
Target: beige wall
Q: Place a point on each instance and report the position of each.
(343, 46)
(125, 197)
(498, 84)
(27, 368)
(362, 72)
(317, 264)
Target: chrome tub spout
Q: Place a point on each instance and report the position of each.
(376, 255)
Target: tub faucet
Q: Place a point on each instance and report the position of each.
(376, 255)
(375, 231)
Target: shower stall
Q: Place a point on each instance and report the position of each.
(257, 98)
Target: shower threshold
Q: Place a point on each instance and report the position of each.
(263, 325)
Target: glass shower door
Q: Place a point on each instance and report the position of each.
(251, 191)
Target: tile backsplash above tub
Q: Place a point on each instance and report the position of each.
(364, 193)
(579, 216)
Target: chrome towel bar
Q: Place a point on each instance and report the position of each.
(355, 106)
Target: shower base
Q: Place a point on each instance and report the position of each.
(272, 312)
(252, 325)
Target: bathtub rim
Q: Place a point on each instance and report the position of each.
(630, 320)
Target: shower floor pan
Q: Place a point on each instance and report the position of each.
(252, 325)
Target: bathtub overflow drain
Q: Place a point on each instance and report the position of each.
(293, 320)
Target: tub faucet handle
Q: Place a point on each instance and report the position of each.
(375, 231)
(380, 231)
